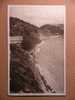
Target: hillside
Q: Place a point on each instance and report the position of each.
(19, 27)
(28, 31)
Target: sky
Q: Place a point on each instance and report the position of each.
(37, 14)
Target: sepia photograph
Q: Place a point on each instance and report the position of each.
(36, 50)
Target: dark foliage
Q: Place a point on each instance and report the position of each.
(21, 72)
(20, 27)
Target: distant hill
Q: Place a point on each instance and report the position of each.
(52, 29)
(61, 26)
